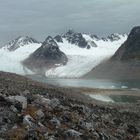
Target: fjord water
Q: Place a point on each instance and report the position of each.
(90, 83)
(96, 83)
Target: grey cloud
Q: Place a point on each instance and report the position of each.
(39, 18)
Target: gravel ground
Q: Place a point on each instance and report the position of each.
(33, 111)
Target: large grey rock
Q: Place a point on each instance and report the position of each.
(21, 99)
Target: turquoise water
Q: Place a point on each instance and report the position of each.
(90, 83)
(97, 83)
(116, 98)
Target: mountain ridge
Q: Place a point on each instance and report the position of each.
(18, 42)
(124, 64)
(73, 60)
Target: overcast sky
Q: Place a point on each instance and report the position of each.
(39, 18)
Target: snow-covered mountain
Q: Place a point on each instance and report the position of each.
(18, 42)
(12, 54)
(83, 59)
(46, 57)
(83, 51)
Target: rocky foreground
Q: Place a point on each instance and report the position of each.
(33, 111)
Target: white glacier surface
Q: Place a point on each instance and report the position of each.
(80, 60)
(83, 60)
(11, 61)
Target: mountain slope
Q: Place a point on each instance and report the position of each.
(20, 41)
(45, 57)
(130, 50)
(124, 64)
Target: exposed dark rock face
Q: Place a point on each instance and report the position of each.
(104, 39)
(125, 64)
(94, 37)
(116, 70)
(92, 44)
(114, 37)
(46, 56)
(130, 50)
(58, 38)
(75, 38)
(20, 41)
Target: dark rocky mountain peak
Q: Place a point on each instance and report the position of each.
(75, 38)
(47, 56)
(130, 50)
(134, 35)
(114, 37)
(49, 49)
(58, 38)
(20, 41)
(93, 36)
(104, 39)
(49, 42)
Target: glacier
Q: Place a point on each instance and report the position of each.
(80, 60)
(12, 61)
(83, 60)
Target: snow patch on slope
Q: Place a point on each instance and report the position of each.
(103, 98)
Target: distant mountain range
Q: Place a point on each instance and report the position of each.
(68, 55)
(18, 42)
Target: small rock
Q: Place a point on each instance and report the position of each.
(137, 137)
(14, 109)
(103, 136)
(28, 120)
(95, 135)
(26, 92)
(40, 114)
(52, 138)
(54, 103)
(73, 133)
(55, 122)
(32, 135)
(42, 101)
(132, 130)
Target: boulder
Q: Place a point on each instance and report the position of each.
(21, 99)
(54, 103)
